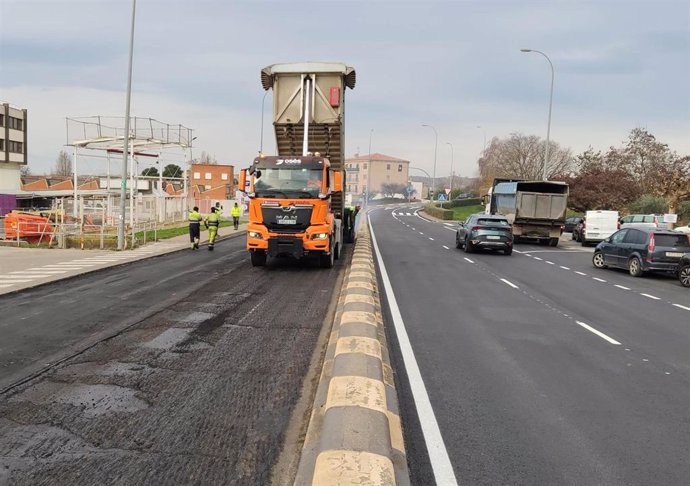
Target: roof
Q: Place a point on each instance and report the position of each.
(375, 157)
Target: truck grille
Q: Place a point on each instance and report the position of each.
(286, 219)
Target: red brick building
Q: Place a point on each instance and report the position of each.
(212, 181)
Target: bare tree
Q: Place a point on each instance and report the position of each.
(207, 158)
(63, 164)
(24, 170)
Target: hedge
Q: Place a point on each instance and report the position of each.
(459, 203)
(440, 213)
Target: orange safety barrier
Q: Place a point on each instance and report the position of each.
(28, 227)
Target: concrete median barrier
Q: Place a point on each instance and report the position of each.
(355, 434)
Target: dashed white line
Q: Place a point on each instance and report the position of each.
(598, 333)
(449, 224)
(431, 238)
(564, 268)
(526, 254)
(550, 263)
(467, 259)
(421, 233)
(537, 258)
(580, 273)
(682, 307)
(622, 287)
(650, 296)
(444, 246)
(599, 279)
(509, 283)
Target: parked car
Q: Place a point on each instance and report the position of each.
(682, 229)
(684, 270)
(570, 223)
(597, 226)
(485, 231)
(641, 249)
(651, 220)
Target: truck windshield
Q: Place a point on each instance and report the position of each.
(287, 182)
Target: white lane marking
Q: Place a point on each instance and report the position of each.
(622, 287)
(682, 307)
(550, 263)
(444, 246)
(537, 258)
(509, 283)
(517, 251)
(408, 214)
(650, 296)
(421, 233)
(438, 455)
(449, 224)
(431, 238)
(564, 268)
(526, 254)
(580, 273)
(599, 279)
(414, 229)
(468, 260)
(598, 333)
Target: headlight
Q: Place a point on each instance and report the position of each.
(255, 234)
(319, 236)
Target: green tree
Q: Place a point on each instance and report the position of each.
(172, 170)
(649, 204)
(150, 171)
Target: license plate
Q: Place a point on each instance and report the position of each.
(287, 221)
(492, 237)
(673, 254)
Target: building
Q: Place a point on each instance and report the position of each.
(13, 146)
(212, 181)
(372, 171)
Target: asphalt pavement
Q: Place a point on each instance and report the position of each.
(539, 368)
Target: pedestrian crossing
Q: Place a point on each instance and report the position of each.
(19, 278)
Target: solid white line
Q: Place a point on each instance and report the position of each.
(438, 455)
(650, 296)
(564, 268)
(621, 287)
(682, 307)
(509, 283)
(599, 333)
(599, 279)
(468, 260)
(517, 251)
(444, 246)
(536, 258)
(431, 238)
(580, 273)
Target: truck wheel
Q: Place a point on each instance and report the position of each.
(258, 258)
(684, 275)
(327, 260)
(469, 247)
(336, 252)
(635, 267)
(553, 241)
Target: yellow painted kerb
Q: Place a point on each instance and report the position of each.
(357, 344)
(357, 391)
(342, 468)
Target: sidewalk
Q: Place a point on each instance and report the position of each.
(23, 268)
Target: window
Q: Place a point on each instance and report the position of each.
(399, 167)
(635, 237)
(2, 144)
(364, 166)
(618, 237)
(388, 167)
(16, 123)
(197, 175)
(208, 176)
(15, 147)
(207, 188)
(224, 176)
(2, 120)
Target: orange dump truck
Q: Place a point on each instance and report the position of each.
(296, 198)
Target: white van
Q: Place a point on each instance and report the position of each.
(598, 226)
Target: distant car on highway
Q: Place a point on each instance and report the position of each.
(641, 249)
(684, 270)
(570, 224)
(484, 231)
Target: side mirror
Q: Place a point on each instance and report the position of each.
(337, 181)
(243, 180)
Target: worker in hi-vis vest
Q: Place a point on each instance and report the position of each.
(235, 212)
(212, 221)
(195, 219)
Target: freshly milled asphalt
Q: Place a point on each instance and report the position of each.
(523, 394)
(185, 369)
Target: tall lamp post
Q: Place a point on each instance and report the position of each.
(435, 149)
(427, 174)
(450, 194)
(125, 151)
(368, 192)
(548, 126)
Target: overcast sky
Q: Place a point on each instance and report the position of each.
(456, 65)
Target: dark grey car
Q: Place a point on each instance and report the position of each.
(642, 249)
(485, 231)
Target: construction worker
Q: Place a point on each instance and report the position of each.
(235, 212)
(212, 221)
(195, 227)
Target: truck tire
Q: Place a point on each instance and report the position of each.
(258, 258)
(336, 252)
(553, 241)
(327, 260)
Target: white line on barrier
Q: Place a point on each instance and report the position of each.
(438, 455)
(598, 333)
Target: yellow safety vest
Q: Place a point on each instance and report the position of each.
(195, 217)
(236, 211)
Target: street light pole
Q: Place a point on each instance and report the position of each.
(450, 194)
(548, 126)
(125, 150)
(261, 145)
(484, 130)
(427, 174)
(435, 149)
(368, 192)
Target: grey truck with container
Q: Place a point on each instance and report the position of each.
(535, 209)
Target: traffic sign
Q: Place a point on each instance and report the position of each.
(441, 197)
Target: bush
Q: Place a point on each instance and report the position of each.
(461, 203)
(649, 204)
(437, 212)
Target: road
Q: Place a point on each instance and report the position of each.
(539, 368)
(186, 368)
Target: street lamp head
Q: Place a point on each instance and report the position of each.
(525, 50)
